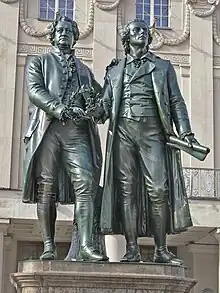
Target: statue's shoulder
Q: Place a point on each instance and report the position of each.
(164, 63)
(41, 57)
(34, 61)
(38, 61)
(112, 64)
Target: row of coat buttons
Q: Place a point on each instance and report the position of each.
(65, 72)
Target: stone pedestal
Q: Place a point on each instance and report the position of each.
(78, 277)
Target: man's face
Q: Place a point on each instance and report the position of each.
(139, 34)
(64, 36)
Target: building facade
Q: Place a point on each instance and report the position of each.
(188, 34)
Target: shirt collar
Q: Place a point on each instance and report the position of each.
(148, 55)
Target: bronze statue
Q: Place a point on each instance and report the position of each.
(144, 192)
(63, 153)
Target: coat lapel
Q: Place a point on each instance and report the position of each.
(158, 78)
(145, 68)
(159, 83)
(117, 75)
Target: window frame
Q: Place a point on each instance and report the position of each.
(55, 10)
(152, 15)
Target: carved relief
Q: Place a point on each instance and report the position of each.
(176, 58)
(29, 49)
(107, 7)
(216, 61)
(209, 188)
(216, 37)
(9, 1)
(208, 12)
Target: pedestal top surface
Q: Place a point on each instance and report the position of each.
(102, 267)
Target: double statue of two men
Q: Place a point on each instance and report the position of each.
(143, 193)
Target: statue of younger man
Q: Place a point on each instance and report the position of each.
(63, 152)
(144, 192)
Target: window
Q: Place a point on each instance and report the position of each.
(48, 8)
(151, 10)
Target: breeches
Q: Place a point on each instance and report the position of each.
(140, 145)
(66, 146)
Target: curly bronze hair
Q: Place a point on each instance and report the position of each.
(53, 25)
(125, 35)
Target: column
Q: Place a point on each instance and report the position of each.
(201, 84)
(8, 56)
(205, 266)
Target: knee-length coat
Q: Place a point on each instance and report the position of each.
(46, 83)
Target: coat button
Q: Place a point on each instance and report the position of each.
(62, 86)
(60, 95)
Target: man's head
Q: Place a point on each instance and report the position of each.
(64, 32)
(136, 33)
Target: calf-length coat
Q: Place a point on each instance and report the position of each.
(172, 109)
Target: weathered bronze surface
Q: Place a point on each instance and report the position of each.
(144, 192)
(63, 156)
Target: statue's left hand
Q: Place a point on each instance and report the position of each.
(190, 139)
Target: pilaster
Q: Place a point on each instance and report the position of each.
(10, 265)
(205, 266)
(8, 57)
(104, 48)
(217, 236)
(201, 84)
(4, 223)
(104, 39)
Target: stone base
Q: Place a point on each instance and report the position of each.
(83, 277)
